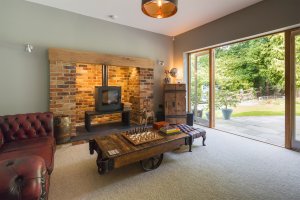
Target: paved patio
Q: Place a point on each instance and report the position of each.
(268, 129)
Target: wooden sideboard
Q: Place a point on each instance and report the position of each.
(175, 103)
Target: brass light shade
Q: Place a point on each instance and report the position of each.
(159, 8)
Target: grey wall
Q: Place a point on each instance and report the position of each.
(265, 16)
(24, 77)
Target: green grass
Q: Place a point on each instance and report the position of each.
(260, 108)
(257, 113)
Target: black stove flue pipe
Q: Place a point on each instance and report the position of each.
(104, 75)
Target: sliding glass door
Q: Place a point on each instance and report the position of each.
(199, 87)
(249, 88)
(295, 61)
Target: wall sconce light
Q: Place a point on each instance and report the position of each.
(28, 48)
(174, 72)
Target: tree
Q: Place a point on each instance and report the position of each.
(226, 99)
(257, 63)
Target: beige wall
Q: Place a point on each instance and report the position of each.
(24, 77)
(265, 16)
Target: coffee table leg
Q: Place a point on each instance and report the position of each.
(104, 165)
(101, 165)
(92, 146)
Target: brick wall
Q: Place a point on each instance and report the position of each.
(134, 92)
(63, 90)
(87, 77)
(72, 88)
(146, 88)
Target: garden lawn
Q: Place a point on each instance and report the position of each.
(261, 108)
(257, 113)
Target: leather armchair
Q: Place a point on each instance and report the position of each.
(27, 141)
(1, 139)
(23, 178)
(28, 134)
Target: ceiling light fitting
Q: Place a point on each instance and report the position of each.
(159, 8)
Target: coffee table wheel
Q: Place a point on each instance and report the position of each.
(152, 163)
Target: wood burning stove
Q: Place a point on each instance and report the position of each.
(107, 98)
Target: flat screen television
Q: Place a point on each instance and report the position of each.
(107, 98)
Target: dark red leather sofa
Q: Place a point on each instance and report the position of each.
(27, 148)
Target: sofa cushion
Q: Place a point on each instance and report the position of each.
(26, 126)
(28, 144)
(23, 178)
(46, 152)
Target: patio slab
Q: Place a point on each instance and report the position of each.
(269, 129)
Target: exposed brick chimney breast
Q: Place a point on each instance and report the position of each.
(72, 88)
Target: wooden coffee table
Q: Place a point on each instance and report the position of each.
(114, 151)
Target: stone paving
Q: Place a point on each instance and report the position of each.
(268, 129)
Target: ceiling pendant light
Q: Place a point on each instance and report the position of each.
(159, 8)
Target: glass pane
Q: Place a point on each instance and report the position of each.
(297, 65)
(250, 88)
(200, 87)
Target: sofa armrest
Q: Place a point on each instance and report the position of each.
(1, 138)
(23, 178)
(26, 126)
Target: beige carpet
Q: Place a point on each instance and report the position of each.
(229, 167)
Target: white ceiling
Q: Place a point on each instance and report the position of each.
(191, 13)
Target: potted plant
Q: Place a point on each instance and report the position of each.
(226, 99)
